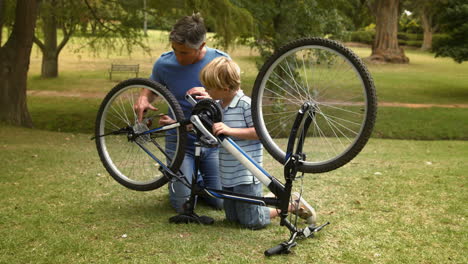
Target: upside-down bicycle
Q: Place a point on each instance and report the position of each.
(315, 92)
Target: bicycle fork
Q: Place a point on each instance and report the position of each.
(309, 231)
(293, 160)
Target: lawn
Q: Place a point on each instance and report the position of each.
(426, 80)
(397, 202)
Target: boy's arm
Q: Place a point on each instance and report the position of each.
(248, 133)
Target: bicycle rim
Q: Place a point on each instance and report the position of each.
(336, 82)
(135, 163)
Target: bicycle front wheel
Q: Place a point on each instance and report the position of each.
(335, 81)
(129, 150)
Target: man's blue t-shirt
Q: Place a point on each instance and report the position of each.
(181, 78)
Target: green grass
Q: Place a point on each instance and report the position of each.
(397, 202)
(421, 123)
(425, 80)
(64, 113)
(69, 114)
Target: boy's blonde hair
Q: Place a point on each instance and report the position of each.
(221, 73)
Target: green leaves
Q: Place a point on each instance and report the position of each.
(455, 24)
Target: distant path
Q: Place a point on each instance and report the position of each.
(67, 94)
(422, 105)
(102, 95)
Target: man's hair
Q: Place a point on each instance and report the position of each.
(189, 30)
(221, 73)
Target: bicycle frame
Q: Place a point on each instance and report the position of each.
(282, 192)
(276, 187)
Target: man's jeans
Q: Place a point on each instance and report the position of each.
(209, 170)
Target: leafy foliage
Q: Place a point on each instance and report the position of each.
(409, 23)
(278, 22)
(455, 25)
(226, 20)
(356, 14)
(113, 24)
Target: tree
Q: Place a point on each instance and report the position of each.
(14, 64)
(427, 11)
(455, 24)
(385, 47)
(54, 15)
(356, 13)
(227, 20)
(2, 18)
(280, 21)
(112, 24)
(117, 24)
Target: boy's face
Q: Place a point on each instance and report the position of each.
(217, 94)
(186, 55)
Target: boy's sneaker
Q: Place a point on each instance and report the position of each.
(303, 209)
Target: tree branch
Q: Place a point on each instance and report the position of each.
(96, 17)
(39, 43)
(66, 36)
(372, 5)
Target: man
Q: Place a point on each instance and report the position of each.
(179, 70)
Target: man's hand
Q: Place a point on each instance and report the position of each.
(142, 105)
(200, 93)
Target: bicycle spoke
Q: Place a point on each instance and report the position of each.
(334, 81)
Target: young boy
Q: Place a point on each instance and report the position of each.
(221, 78)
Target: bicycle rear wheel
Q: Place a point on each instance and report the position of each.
(132, 158)
(335, 81)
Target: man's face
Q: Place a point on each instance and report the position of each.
(186, 55)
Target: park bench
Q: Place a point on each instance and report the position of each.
(124, 68)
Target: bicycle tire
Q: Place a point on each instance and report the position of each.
(121, 154)
(331, 77)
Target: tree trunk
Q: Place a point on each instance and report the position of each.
(49, 67)
(14, 65)
(145, 17)
(2, 16)
(50, 49)
(385, 47)
(426, 20)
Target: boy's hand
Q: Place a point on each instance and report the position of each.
(165, 120)
(200, 93)
(221, 128)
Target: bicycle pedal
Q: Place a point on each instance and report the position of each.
(312, 229)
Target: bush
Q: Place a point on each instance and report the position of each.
(363, 36)
(367, 37)
(437, 38)
(412, 43)
(410, 36)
